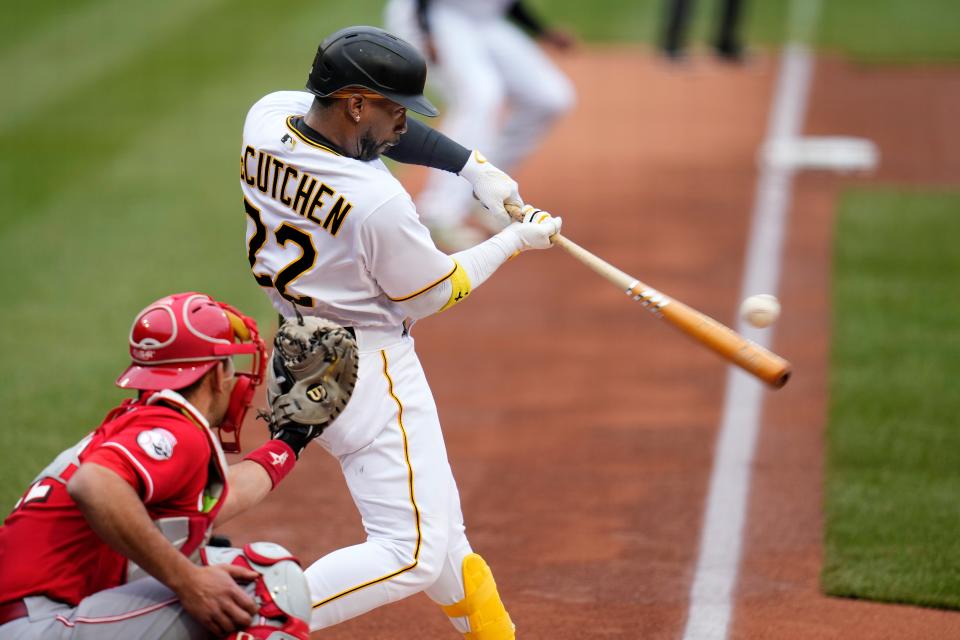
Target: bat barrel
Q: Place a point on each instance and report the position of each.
(746, 354)
(782, 378)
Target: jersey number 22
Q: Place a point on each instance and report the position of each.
(283, 234)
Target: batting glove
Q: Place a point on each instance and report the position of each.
(536, 229)
(491, 186)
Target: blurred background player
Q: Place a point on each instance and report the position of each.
(502, 92)
(108, 541)
(727, 43)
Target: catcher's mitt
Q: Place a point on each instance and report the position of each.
(313, 373)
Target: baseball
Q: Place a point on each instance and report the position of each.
(761, 310)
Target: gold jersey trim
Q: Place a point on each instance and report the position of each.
(428, 287)
(307, 140)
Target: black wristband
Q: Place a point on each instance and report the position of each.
(428, 147)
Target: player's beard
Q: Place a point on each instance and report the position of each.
(368, 147)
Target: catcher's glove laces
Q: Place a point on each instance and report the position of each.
(296, 310)
(312, 375)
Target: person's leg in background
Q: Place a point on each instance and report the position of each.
(538, 93)
(473, 95)
(728, 44)
(675, 27)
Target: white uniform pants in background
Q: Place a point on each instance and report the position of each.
(501, 91)
(404, 490)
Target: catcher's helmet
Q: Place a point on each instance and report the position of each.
(178, 338)
(371, 58)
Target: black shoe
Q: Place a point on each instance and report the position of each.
(674, 54)
(729, 51)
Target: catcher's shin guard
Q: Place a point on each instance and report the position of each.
(481, 604)
(281, 592)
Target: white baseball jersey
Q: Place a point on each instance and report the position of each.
(337, 236)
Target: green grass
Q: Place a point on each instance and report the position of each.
(602, 20)
(911, 31)
(866, 30)
(893, 444)
(642, 20)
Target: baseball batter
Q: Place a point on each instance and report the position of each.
(502, 92)
(108, 541)
(330, 232)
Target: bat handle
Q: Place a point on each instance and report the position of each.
(516, 214)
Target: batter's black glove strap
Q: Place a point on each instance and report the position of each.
(297, 435)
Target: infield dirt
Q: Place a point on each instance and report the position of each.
(580, 429)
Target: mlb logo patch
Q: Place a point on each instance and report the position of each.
(157, 443)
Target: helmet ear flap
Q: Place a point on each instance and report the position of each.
(240, 399)
(245, 330)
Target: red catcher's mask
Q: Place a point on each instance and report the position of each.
(177, 339)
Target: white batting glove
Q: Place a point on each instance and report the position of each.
(491, 186)
(536, 229)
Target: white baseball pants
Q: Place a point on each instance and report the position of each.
(404, 490)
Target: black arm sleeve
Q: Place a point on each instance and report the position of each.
(422, 20)
(522, 16)
(428, 147)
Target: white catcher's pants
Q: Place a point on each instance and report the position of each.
(484, 65)
(404, 490)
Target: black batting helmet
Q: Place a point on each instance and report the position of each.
(371, 58)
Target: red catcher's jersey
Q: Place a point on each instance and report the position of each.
(166, 452)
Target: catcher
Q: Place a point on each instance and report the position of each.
(110, 539)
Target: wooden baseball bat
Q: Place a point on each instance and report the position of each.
(730, 345)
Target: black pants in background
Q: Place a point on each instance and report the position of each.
(726, 41)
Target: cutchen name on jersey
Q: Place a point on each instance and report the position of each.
(299, 191)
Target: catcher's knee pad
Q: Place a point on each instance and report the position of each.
(281, 591)
(481, 604)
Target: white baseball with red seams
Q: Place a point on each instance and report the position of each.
(760, 310)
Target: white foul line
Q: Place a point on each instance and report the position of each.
(711, 596)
